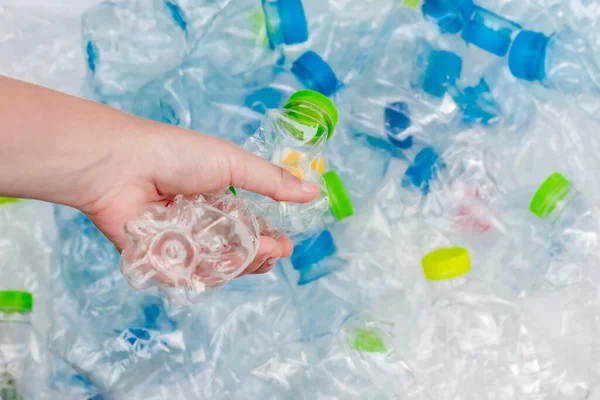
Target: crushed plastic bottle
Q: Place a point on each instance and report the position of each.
(563, 61)
(465, 325)
(15, 334)
(478, 26)
(203, 242)
(558, 202)
(245, 36)
(130, 43)
(342, 36)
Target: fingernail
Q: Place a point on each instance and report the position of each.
(271, 262)
(309, 187)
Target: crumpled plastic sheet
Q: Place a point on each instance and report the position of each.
(523, 324)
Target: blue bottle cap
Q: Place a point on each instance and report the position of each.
(264, 99)
(443, 69)
(420, 173)
(527, 57)
(494, 41)
(313, 250)
(292, 20)
(397, 120)
(315, 73)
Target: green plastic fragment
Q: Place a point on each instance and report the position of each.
(368, 341)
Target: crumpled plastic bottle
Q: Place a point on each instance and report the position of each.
(203, 242)
(466, 326)
(574, 223)
(15, 335)
(130, 43)
(478, 26)
(563, 61)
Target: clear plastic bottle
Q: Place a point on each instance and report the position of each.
(245, 36)
(575, 223)
(204, 242)
(563, 61)
(478, 26)
(15, 335)
(341, 37)
(462, 320)
(130, 43)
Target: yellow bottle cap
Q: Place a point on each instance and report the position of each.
(446, 263)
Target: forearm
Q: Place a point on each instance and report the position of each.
(53, 145)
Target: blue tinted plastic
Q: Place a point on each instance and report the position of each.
(527, 57)
(424, 168)
(490, 32)
(450, 15)
(177, 14)
(443, 69)
(477, 104)
(286, 22)
(313, 250)
(315, 73)
(397, 120)
(264, 99)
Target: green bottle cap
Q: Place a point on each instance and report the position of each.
(324, 111)
(446, 263)
(14, 301)
(411, 3)
(368, 341)
(550, 193)
(8, 200)
(339, 201)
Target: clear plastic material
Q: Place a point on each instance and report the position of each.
(190, 247)
(15, 342)
(203, 242)
(570, 64)
(295, 146)
(129, 43)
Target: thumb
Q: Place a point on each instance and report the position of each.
(186, 162)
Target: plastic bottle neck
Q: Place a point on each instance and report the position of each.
(311, 122)
(14, 317)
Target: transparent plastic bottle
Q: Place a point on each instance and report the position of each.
(478, 26)
(15, 335)
(558, 202)
(563, 61)
(88, 263)
(341, 37)
(130, 43)
(203, 242)
(245, 36)
(462, 320)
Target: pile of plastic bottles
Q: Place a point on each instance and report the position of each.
(452, 252)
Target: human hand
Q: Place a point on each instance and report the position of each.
(152, 163)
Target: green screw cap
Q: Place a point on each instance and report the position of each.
(411, 3)
(446, 263)
(324, 110)
(368, 341)
(339, 201)
(14, 301)
(550, 193)
(8, 200)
